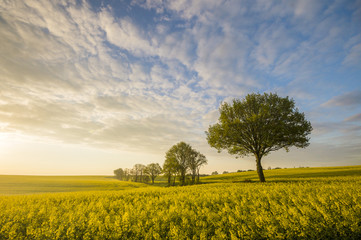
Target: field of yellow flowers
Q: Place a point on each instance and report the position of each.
(319, 208)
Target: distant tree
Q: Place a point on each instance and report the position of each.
(259, 124)
(153, 170)
(201, 161)
(119, 174)
(138, 172)
(146, 178)
(214, 173)
(183, 153)
(170, 168)
(196, 160)
(239, 171)
(225, 172)
(127, 174)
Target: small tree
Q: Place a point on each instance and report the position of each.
(153, 170)
(259, 124)
(182, 153)
(119, 174)
(170, 169)
(201, 160)
(194, 164)
(127, 174)
(214, 173)
(138, 172)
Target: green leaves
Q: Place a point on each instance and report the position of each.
(180, 158)
(259, 124)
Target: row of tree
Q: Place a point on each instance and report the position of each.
(139, 173)
(181, 161)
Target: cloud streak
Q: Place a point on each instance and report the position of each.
(347, 99)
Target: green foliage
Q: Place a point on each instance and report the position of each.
(170, 168)
(180, 159)
(119, 174)
(257, 125)
(153, 170)
(139, 173)
(183, 154)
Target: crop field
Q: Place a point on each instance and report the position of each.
(288, 175)
(13, 184)
(314, 204)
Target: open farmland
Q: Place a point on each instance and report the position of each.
(12, 184)
(314, 204)
(288, 175)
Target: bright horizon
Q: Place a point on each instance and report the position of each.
(89, 87)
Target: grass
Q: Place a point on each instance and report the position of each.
(287, 175)
(15, 184)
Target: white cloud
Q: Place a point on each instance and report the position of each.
(347, 99)
(354, 55)
(354, 118)
(307, 9)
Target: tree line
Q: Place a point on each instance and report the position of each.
(139, 173)
(256, 125)
(181, 161)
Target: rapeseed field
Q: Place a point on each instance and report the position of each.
(314, 207)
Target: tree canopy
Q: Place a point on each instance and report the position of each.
(258, 125)
(153, 170)
(180, 159)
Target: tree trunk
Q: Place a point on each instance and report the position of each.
(182, 177)
(182, 180)
(259, 168)
(169, 179)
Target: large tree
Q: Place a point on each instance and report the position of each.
(258, 125)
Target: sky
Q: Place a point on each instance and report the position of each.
(87, 87)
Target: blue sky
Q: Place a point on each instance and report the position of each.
(90, 86)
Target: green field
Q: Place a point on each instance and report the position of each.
(288, 175)
(304, 203)
(13, 184)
